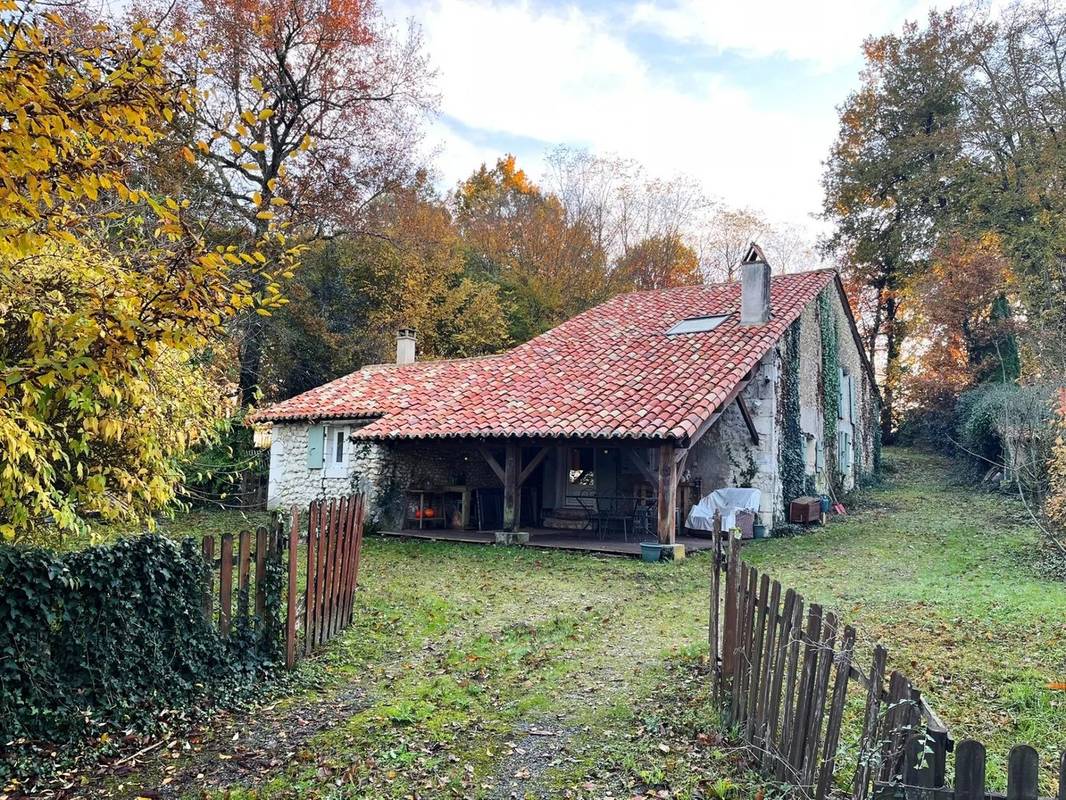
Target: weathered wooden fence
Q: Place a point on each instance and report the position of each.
(319, 611)
(917, 781)
(234, 607)
(782, 677)
(334, 543)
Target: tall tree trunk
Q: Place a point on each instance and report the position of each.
(251, 359)
(252, 330)
(893, 342)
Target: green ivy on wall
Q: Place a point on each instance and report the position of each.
(830, 381)
(793, 462)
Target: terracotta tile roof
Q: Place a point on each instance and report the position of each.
(611, 372)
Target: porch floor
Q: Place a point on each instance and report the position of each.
(555, 540)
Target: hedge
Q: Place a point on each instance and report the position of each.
(107, 638)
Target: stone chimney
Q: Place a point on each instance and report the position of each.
(754, 287)
(405, 346)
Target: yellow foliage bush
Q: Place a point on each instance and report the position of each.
(1056, 500)
(108, 294)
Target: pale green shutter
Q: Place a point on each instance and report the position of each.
(316, 437)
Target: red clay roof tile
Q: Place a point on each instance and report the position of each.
(611, 372)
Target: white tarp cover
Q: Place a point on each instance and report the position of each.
(726, 501)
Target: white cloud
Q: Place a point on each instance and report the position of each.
(826, 33)
(525, 78)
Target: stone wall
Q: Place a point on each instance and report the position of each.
(725, 455)
(292, 482)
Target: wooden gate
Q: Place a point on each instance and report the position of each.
(319, 610)
(334, 545)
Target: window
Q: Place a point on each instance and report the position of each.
(581, 466)
(846, 398)
(336, 450)
(697, 325)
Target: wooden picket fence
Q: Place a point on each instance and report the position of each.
(782, 679)
(234, 607)
(334, 545)
(917, 781)
(319, 612)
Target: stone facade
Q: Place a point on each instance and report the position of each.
(293, 482)
(726, 456)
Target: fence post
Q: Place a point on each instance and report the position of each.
(732, 612)
(290, 611)
(208, 548)
(260, 569)
(836, 712)
(1023, 773)
(868, 741)
(773, 709)
(795, 639)
(819, 691)
(712, 623)
(244, 549)
(310, 600)
(755, 660)
(225, 584)
(767, 658)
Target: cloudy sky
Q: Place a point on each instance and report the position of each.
(739, 93)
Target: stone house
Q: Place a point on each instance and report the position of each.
(633, 409)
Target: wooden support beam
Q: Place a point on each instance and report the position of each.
(511, 499)
(682, 460)
(667, 494)
(747, 419)
(493, 463)
(709, 422)
(532, 465)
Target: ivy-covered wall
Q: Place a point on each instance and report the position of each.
(106, 639)
(829, 380)
(792, 459)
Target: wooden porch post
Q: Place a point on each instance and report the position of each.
(511, 497)
(667, 493)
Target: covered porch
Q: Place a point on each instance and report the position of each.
(574, 494)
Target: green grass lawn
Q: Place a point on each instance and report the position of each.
(494, 672)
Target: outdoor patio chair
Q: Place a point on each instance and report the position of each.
(611, 511)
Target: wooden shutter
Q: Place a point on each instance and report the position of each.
(842, 393)
(316, 438)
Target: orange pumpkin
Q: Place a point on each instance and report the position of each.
(430, 513)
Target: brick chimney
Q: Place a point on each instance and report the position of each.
(754, 287)
(405, 346)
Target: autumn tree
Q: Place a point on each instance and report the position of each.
(548, 267)
(109, 290)
(309, 109)
(961, 317)
(353, 292)
(888, 178)
(658, 262)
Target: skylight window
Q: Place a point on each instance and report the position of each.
(697, 325)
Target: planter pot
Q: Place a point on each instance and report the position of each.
(760, 531)
(653, 552)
